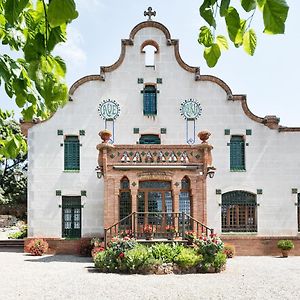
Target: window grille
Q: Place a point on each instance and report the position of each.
(125, 201)
(185, 200)
(237, 153)
(149, 139)
(71, 216)
(238, 212)
(150, 100)
(71, 151)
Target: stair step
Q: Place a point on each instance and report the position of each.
(11, 243)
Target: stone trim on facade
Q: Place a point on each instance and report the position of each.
(83, 80)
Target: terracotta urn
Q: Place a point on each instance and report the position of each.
(105, 135)
(204, 136)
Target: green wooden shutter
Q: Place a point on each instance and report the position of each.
(72, 155)
(150, 100)
(237, 153)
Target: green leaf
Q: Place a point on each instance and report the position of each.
(224, 7)
(205, 37)
(57, 35)
(206, 12)
(13, 8)
(234, 25)
(248, 5)
(261, 3)
(212, 55)
(61, 12)
(249, 41)
(222, 42)
(275, 13)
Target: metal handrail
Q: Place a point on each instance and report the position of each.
(180, 220)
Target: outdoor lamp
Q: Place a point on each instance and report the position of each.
(211, 172)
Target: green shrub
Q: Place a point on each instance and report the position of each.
(166, 252)
(229, 250)
(187, 258)
(219, 261)
(21, 234)
(209, 247)
(138, 259)
(285, 244)
(100, 260)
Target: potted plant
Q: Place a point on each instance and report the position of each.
(148, 230)
(171, 232)
(285, 246)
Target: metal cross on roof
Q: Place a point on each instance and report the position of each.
(149, 13)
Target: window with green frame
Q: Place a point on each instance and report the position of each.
(71, 153)
(150, 100)
(239, 212)
(71, 216)
(149, 139)
(237, 153)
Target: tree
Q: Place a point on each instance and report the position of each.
(14, 158)
(239, 29)
(36, 79)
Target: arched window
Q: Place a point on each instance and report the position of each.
(237, 153)
(239, 212)
(149, 139)
(298, 212)
(184, 196)
(125, 200)
(150, 100)
(150, 48)
(149, 55)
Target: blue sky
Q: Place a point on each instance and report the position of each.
(270, 78)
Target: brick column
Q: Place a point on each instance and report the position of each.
(176, 192)
(109, 207)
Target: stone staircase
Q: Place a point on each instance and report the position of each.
(11, 244)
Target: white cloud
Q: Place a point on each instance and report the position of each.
(71, 51)
(89, 4)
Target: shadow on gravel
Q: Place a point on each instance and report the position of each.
(59, 258)
(92, 270)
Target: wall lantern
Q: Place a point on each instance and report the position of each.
(99, 172)
(211, 172)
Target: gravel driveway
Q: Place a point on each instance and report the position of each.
(70, 277)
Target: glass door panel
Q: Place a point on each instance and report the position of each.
(155, 204)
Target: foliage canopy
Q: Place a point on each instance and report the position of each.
(240, 33)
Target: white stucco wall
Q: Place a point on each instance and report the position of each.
(272, 158)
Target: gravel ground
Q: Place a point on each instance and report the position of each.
(69, 277)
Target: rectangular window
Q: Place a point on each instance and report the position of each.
(150, 100)
(71, 216)
(237, 153)
(72, 154)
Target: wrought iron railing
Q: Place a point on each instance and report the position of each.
(158, 223)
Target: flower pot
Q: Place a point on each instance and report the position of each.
(171, 236)
(149, 236)
(285, 253)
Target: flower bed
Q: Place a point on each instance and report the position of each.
(126, 255)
